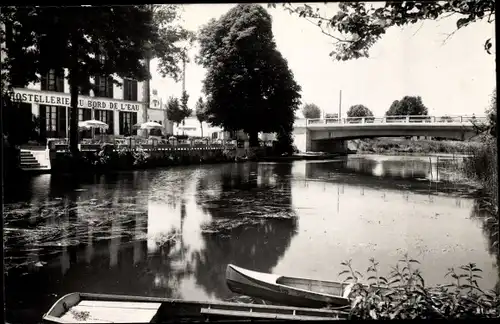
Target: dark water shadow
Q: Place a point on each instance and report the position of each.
(253, 222)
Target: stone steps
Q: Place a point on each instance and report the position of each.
(28, 162)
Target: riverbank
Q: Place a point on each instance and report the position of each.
(406, 146)
(108, 160)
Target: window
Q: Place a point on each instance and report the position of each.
(101, 115)
(127, 121)
(129, 89)
(80, 114)
(106, 116)
(53, 81)
(104, 86)
(51, 119)
(54, 121)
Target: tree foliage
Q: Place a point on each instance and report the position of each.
(408, 106)
(186, 111)
(201, 113)
(311, 111)
(174, 111)
(359, 111)
(87, 41)
(248, 83)
(492, 114)
(357, 26)
(170, 38)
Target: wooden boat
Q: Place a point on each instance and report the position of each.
(291, 291)
(97, 308)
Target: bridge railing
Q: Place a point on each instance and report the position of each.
(396, 119)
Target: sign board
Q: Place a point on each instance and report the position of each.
(63, 99)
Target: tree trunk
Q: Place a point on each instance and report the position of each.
(253, 139)
(146, 90)
(201, 127)
(73, 130)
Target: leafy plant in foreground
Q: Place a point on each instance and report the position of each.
(403, 295)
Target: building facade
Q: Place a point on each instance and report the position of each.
(120, 107)
(157, 112)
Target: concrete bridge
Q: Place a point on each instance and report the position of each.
(330, 135)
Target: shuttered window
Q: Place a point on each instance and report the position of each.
(52, 81)
(130, 90)
(104, 86)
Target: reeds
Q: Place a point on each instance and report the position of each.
(482, 166)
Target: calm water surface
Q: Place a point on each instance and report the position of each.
(171, 232)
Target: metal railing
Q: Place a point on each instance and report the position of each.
(61, 144)
(395, 120)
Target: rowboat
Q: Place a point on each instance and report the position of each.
(290, 291)
(98, 308)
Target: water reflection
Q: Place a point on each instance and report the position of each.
(255, 243)
(171, 233)
(416, 174)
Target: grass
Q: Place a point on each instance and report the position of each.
(396, 145)
(404, 295)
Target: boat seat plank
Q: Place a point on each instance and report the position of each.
(111, 314)
(208, 311)
(119, 304)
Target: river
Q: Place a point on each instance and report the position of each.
(171, 232)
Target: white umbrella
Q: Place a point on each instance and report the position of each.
(93, 124)
(151, 125)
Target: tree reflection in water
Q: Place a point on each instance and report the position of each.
(255, 240)
(411, 174)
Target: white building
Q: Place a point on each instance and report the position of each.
(193, 128)
(157, 112)
(120, 107)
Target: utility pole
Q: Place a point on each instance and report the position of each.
(184, 71)
(340, 105)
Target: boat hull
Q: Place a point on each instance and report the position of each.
(273, 296)
(264, 286)
(134, 309)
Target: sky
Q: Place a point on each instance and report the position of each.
(453, 77)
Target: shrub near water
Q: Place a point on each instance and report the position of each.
(403, 295)
(390, 145)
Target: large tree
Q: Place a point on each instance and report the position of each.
(86, 41)
(408, 106)
(357, 26)
(310, 110)
(359, 111)
(248, 83)
(201, 113)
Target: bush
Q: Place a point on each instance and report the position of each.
(403, 295)
(141, 157)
